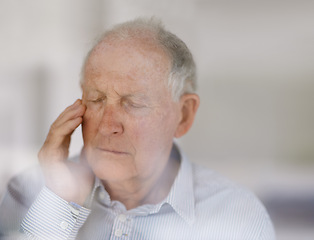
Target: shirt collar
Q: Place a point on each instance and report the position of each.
(181, 195)
(91, 197)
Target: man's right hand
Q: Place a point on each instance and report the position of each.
(71, 181)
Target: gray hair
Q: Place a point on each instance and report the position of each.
(182, 77)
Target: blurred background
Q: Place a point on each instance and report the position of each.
(255, 64)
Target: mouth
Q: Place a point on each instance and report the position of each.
(112, 151)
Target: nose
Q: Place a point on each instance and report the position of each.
(111, 123)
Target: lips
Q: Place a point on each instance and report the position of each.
(113, 151)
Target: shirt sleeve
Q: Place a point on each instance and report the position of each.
(51, 217)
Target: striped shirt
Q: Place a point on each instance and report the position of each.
(200, 205)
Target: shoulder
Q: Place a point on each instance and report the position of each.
(211, 186)
(227, 205)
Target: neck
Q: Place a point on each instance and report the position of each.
(151, 190)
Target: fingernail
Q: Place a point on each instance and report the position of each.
(77, 102)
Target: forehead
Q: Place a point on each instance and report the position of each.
(129, 62)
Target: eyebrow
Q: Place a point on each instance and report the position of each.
(92, 91)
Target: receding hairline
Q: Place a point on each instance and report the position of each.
(182, 76)
(112, 39)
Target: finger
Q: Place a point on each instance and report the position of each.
(56, 146)
(58, 133)
(70, 108)
(77, 101)
(72, 113)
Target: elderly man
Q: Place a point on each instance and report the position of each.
(131, 181)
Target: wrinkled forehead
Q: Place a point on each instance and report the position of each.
(143, 51)
(139, 59)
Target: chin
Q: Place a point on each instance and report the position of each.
(113, 168)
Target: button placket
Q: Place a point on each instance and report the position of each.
(118, 232)
(122, 226)
(64, 225)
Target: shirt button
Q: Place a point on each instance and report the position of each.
(118, 233)
(64, 225)
(122, 218)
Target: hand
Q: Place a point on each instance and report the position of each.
(71, 181)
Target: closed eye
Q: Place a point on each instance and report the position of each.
(135, 105)
(130, 104)
(98, 100)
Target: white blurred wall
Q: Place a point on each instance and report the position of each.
(256, 81)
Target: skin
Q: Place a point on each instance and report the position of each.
(129, 120)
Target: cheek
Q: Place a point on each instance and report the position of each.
(90, 124)
(154, 130)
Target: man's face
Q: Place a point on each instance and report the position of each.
(131, 119)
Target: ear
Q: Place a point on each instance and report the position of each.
(188, 106)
